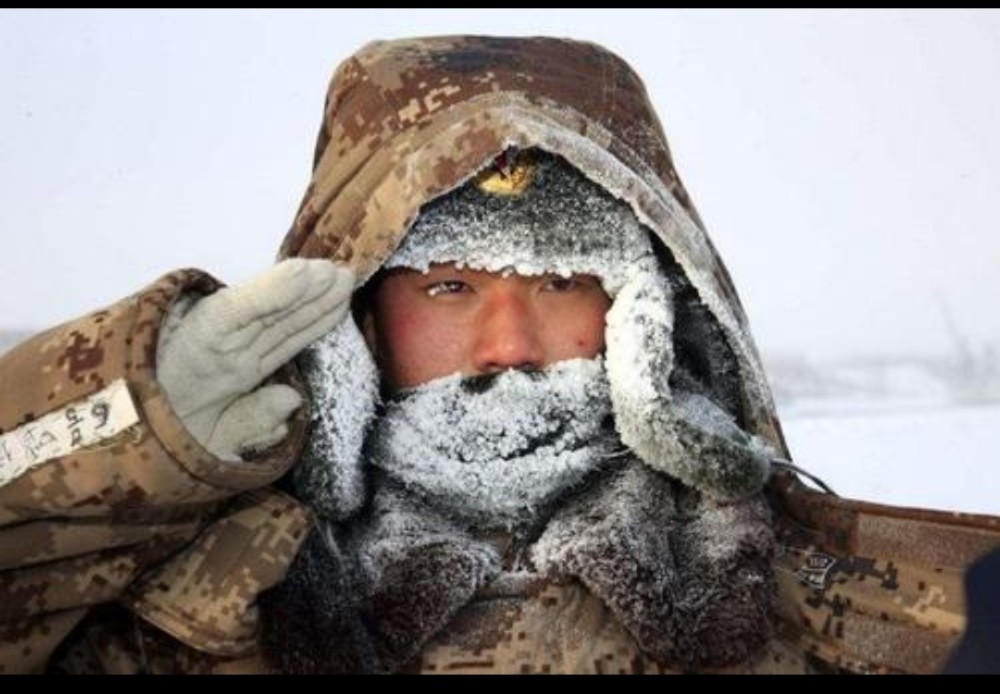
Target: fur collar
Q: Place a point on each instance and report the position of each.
(688, 578)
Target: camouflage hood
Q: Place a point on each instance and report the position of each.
(408, 121)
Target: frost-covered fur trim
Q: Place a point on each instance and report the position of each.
(629, 178)
(412, 571)
(497, 450)
(312, 622)
(683, 434)
(420, 568)
(343, 380)
(688, 578)
(563, 223)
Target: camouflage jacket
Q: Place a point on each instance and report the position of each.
(106, 498)
(863, 587)
(125, 546)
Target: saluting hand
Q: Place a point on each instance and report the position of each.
(214, 352)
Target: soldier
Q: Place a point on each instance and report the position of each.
(532, 433)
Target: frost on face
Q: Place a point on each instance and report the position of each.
(453, 443)
(497, 449)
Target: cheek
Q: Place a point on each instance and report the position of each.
(397, 332)
(590, 338)
(416, 345)
(578, 333)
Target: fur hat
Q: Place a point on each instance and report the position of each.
(531, 213)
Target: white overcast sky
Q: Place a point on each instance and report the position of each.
(847, 163)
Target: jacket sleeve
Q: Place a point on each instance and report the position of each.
(98, 478)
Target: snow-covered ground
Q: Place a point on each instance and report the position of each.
(900, 430)
(904, 454)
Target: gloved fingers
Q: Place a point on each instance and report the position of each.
(255, 421)
(314, 324)
(282, 341)
(238, 315)
(271, 331)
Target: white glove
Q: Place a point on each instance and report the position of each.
(214, 352)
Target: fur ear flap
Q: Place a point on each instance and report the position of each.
(685, 435)
(343, 380)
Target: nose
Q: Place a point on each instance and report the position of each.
(508, 335)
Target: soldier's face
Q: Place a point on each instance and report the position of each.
(424, 326)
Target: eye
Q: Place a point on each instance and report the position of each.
(560, 284)
(447, 287)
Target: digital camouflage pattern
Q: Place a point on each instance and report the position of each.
(149, 553)
(79, 530)
(547, 628)
(871, 588)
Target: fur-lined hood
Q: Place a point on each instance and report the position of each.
(407, 121)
